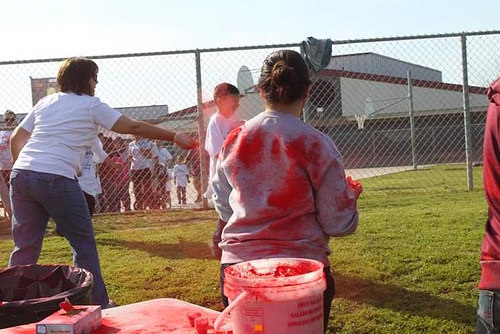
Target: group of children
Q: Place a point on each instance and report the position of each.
(136, 172)
(179, 175)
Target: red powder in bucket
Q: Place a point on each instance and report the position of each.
(275, 295)
(282, 270)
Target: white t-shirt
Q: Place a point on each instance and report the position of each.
(5, 160)
(139, 161)
(124, 155)
(217, 130)
(170, 177)
(181, 175)
(62, 127)
(164, 156)
(89, 182)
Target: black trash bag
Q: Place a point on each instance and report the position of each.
(30, 293)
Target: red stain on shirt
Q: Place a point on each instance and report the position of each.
(293, 191)
(296, 187)
(305, 153)
(248, 147)
(296, 150)
(275, 150)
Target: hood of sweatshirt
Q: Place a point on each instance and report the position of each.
(494, 92)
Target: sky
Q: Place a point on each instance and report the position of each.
(34, 29)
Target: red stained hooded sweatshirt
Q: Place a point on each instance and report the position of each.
(490, 250)
(281, 188)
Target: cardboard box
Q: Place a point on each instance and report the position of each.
(81, 320)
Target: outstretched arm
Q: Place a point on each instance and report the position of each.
(146, 130)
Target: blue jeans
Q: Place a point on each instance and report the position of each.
(37, 196)
(488, 312)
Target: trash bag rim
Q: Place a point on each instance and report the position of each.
(84, 285)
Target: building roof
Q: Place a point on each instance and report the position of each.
(145, 113)
(378, 55)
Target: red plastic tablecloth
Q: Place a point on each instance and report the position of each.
(152, 316)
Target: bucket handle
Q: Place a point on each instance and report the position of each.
(242, 296)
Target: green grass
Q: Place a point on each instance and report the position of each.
(412, 266)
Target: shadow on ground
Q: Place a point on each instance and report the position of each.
(399, 299)
(180, 250)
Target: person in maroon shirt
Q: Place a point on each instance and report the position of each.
(488, 311)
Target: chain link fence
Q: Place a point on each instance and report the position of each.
(390, 105)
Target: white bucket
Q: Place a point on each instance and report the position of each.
(274, 296)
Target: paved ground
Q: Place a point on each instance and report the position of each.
(357, 174)
(363, 173)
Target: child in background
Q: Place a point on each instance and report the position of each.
(144, 155)
(163, 179)
(87, 178)
(181, 178)
(227, 100)
(167, 198)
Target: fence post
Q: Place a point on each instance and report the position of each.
(467, 125)
(412, 120)
(305, 112)
(201, 128)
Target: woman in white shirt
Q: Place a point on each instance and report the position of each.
(47, 148)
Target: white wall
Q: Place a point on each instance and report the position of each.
(373, 63)
(366, 97)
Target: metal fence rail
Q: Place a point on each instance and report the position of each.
(390, 105)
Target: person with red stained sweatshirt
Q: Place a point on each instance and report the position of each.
(280, 183)
(488, 311)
